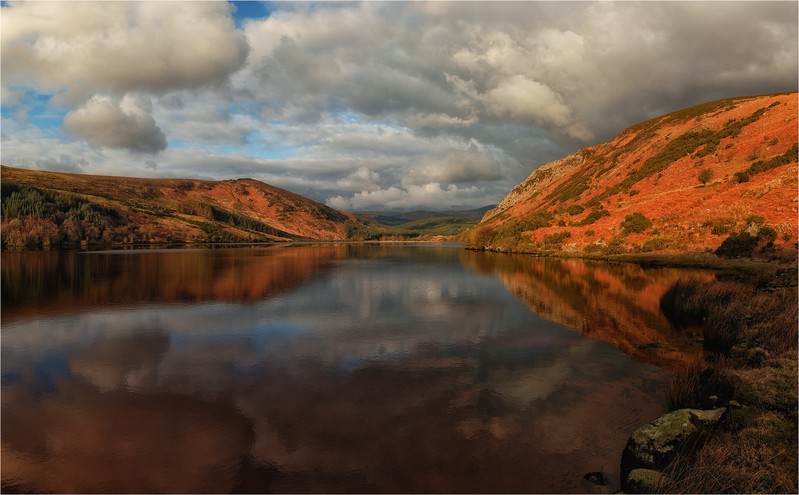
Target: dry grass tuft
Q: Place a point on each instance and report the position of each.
(693, 386)
(731, 312)
(753, 336)
(761, 458)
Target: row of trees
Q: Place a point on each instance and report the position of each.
(34, 217)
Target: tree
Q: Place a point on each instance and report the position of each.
(705, 175)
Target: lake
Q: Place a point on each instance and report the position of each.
(327, 368)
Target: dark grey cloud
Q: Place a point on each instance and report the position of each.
(534, 80)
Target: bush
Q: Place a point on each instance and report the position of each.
(594, 215)
(737, 246)
(720, 229)
(705, 176)
(744, 245)
(556, 238)
(755, 219)
(742, 176)
(636, 222)
(615, 246)
(575, 209)
(654, 244)
(779, 160)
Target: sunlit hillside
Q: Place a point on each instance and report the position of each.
(686, 181)
(49, 209)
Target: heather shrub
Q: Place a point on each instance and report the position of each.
(741, 245)
(556, 238)
(636, 222)
(575, 209)
(705, 175)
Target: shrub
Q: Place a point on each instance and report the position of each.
(594, 215)
(537, 220)
(654, 244)
(705, 175)
(767, 235)
(742, 176)
(720, 229)
(481, 236)
(755, 219)
(737, 246)
(636, 222)
(615, 246)
(590, 233)
(575, 209)
(779, 160)
(556, 238)
(708, 149)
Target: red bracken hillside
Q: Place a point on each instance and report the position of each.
(683, 182)
(50, 209)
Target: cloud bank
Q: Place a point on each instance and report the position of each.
(371, 105)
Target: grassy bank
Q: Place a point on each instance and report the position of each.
(750, 365)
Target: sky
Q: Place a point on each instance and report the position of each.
(371, 105)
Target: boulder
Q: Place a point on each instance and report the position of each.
(655, 445)
(645, 481)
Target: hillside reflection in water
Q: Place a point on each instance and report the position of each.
(335, 368)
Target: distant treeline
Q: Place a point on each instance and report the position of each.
(34, 217)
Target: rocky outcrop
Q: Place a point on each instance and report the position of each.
(540, 179)
(654, 446)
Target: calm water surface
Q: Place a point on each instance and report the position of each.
(332, 368)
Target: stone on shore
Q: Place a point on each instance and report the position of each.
(655, 445)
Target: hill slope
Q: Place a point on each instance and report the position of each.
(413, 224)
(686, 181)
(392, 218)
(48, 208)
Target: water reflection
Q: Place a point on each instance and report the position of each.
(615, 302)
(36, 282)
(325, 369)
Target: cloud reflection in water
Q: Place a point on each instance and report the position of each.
(387, 369)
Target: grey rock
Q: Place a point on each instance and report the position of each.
(655, 445)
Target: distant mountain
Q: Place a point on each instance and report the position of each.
(49, 209)
(399, 217)
(721, 175)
